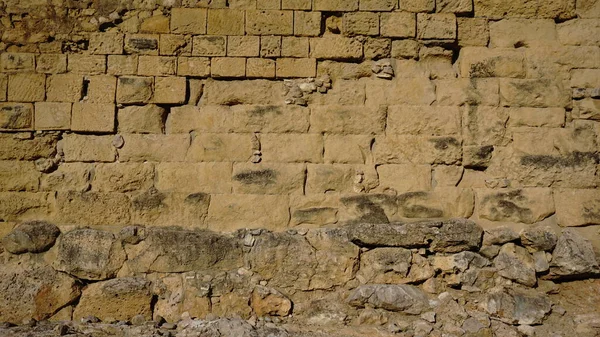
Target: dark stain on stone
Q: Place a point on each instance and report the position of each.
(314, 213)
(443, 143)
(592, 213)
(410, 210)
(573, 159)
(260, 177)
(263, 110)
(143, 43)
(368, 207)
(505, 206)
(485, 152)
(148, 200)
(197, 198)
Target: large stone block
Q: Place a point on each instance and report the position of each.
(360, 23)
(21, 146)
(411, 91)
(577, 207)
(269, 22)
(93, 208)
(340, 178)
(64, 88)
(270, 118)
(473, 32)
(393, 297)
(292, 148)
(307, 23)
(396, 149)
(579, 32)
(16, 116)
(122, 64)
(225, 22)
(243, 92)
(404, 177)
(250, 178)
(221, 147)
(483, 125)
(18, 176)
(170, 90)
(141, 119)
(296, 67)
(93, 117)
(25, 87)
(25, 205)
(398, 24)
(145, 44)
(378, 5)
(123, 177)
(188, 20)
(68, 177)
(436, 26)
(154, 147)
(467, 91)
(200, 177)
(156, 208)
(485, 62)
(423, 120)
(314, 211)
(106, 43)
(347, 149)
(514, 33)
(88, 148)
(536, 117)
(206, 119)
(86, 64)
(335, 5)
(17, 62)
(245, 46)
(134, 89)
(336, 48)
(339, 119)
(516, 205)
(230, 212)
(227, 67)
(156, 65)
(193, 66)
(533, 93)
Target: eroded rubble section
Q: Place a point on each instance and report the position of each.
(434, 278)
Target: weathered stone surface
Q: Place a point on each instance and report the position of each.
(118, 299)
(518, 205)
(31, 237)
(539, 238)
(89, 254)
(398, 297)
(21, 147)
(577, 207)
(517, 306)
(123, 177)
(515, 263)
(25, 205)
(499, 235)
(230, 212)
(400, 149)
(573, 256)
(423, 120)
(18, 176)
(93, 208)
(270, 302)
(514, 33)
(33, 290)
(16, 116)
(533, 93)
(347, 120)
(385, 265)
(268, 178)
(180, 293)
(196, 250)
(441, 236)
(240, 92)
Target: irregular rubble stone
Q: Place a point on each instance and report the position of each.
(515, 263)
(573, 257)
(31, 237)
(539, 238)
(528, 206)
(517, 306)
(397, 297)
(270, 302)
(385, 265)
(116, 299)
(89, 254)
(499, 235)
(33, 290)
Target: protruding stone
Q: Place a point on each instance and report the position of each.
(539, 238)
(573, 257)
(517, 307)
(270, 302)
(394, 297)
(31, 237)
(515, 263)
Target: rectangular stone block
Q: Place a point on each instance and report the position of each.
(188, 20)
(513, 33)
(250, 178)
(101, 89)
(4, 87)
(407, 49)
(347, 149)
(123, 177)
(418, 6)
(51, 63)
(17, 62)
(404, 178)
(188, 210)
(270, 46)
(64, 88)
(157, 65)
(347, 119)
(473, 32)
(395, 149)
(26, 87)
(436, 26)
(485, 62)
(485, 125)
(270, 118)
(454, 6)
(314, 210)
(243, 92)
(19, 176)
(228, 67)
(193, 66)
(528, 205)
(25, 146)
(296, 67)
(225, 22)
(52, 116)
(537, 117)
(170, 90)
(339, 178)
(243, 46)
(16, 116)
(260, 68)
(398, 24)
(555, 62)
(533, 93)
(93, 208)
(25, 205)
(413, 91)
(213, 118)
(122, 64)
(467, 91)
(345, 92)
(87, 148)
(153, 147)
(577, 207)
(268, 4)
(335, 5)
(378, 5)
(585, 78)
(68, 177)
(423, 120)
(135, 89)
(292, 148)
(269, 22)
(209, 46)
(336, 48)
(197, 177)
(498, 9)
(307, 23)
(175, 45)
(93, 117)
(579, 32)
(230, 212)
(305, 5)
(86, 64)
(156, 23)
(294, 47)
(221, 147)
(144, 44)
(242, 4)
(360, 23)
(141, 119)
(106, 43)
